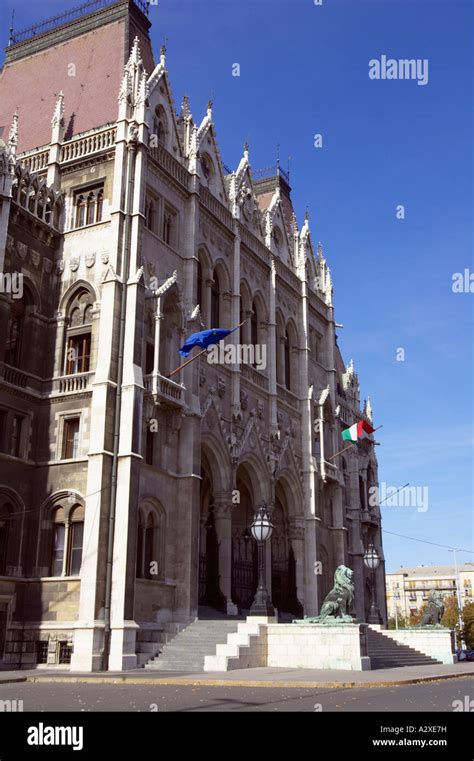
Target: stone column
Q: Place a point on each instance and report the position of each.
(223, 525)
(297, 543)
(339, 531)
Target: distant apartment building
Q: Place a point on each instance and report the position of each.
(409, 588)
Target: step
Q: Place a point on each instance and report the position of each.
(188, 650)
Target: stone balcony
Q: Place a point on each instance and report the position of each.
(166, 393)
(43, 388)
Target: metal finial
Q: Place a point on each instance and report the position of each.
(10, 37)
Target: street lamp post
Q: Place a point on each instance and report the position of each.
(261, 529)
(372, 562)
(459, 598)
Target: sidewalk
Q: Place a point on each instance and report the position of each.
(258, 677)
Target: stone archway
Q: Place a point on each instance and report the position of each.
(210, 592)
(286, 553)
(244, 547)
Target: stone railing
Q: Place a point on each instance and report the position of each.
(19, 378)
(251, 374)
(35, 161)
(14, 377)
(287, 396)
(216, 208)
(171, 166)
(287, 275)
(254, 244)
(329, 471)
(87, 144)
(167, 392)
(72, 384)
(41, 387)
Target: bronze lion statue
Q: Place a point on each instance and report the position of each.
(337, 602)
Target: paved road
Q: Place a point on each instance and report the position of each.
(432, 696)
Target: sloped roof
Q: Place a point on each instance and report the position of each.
(30, 83)
(430, 571)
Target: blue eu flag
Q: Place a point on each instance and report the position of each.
(203, 339)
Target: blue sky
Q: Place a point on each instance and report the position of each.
(304, 70)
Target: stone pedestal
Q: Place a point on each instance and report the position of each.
(318, 646)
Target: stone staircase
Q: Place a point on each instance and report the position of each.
(187, 651)
(385, 653)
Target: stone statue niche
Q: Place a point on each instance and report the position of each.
(434, 610)
(336, 603)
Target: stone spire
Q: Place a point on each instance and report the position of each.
(13, 135)
(368, 410)
(163, 56)
(58, 113)
(185, 109)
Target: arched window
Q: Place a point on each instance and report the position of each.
(160, 127)
(40, 205)
(15, 337)
(5, 522)
(67, 540)
(150, 543)
(254, 326)
(169, 227)
(59, 542)
(79, 330)
(287, 361)
(215, 301)
(361, 493)
(80, 211)
(140, 541)
(48, 211)
(90, 217)
(150, 214)
(100, 205)
(89, 205)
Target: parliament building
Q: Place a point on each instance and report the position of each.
(127, 491)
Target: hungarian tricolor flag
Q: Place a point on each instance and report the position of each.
(360, 430)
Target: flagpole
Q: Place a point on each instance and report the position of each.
(350, 445)
(204, 350)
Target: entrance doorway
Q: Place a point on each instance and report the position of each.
(284, 595)
(244, 552)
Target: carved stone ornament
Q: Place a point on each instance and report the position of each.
(220, 387)
(60, 266)
(22, 250)
(35, 257)
(74, 263)
(90, 260)
(104, 258)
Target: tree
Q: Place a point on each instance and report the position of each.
(451, 616)
(392, 622)
(468, 624)
(415, 616)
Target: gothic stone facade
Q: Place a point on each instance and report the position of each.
(126, 495)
